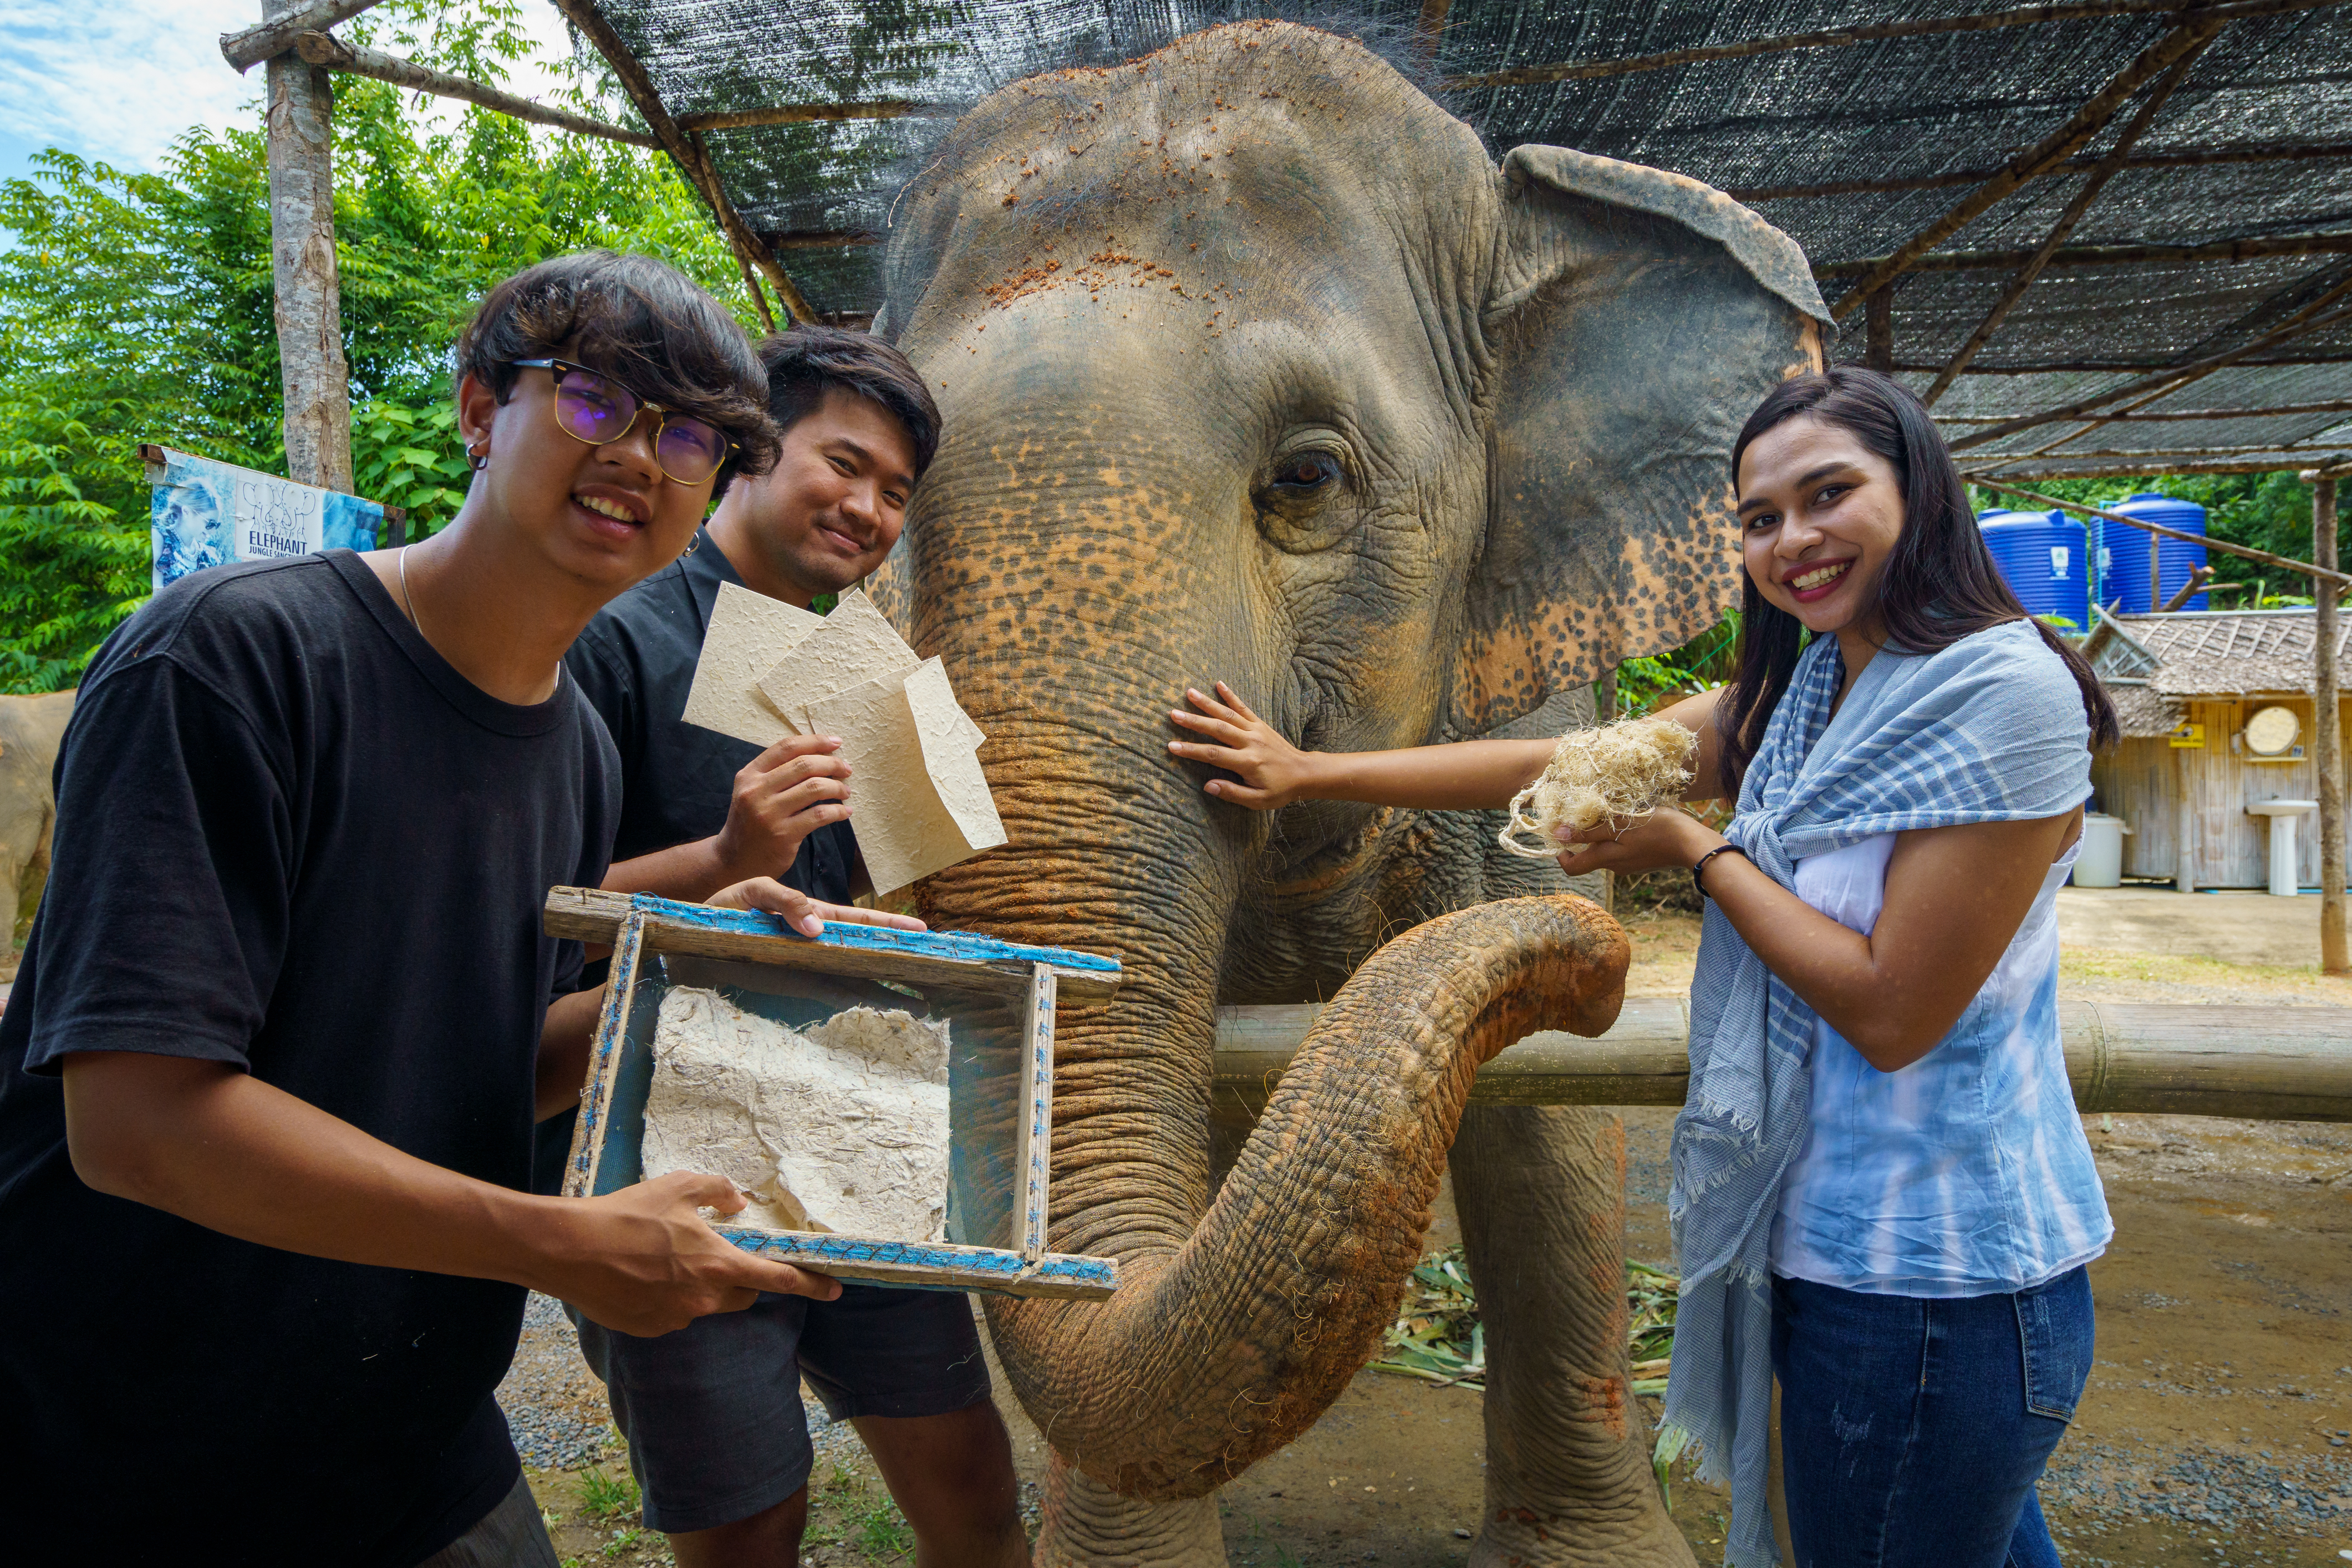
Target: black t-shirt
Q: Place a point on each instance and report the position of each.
(635, 662)
(290, 837)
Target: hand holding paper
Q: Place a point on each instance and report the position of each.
(767, 670)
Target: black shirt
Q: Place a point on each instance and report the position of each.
(635, 663)
(289, 836)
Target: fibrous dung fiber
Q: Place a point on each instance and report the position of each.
(1616, 774)
(841, 1126)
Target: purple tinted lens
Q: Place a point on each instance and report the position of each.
(690, 451)
(593, 409)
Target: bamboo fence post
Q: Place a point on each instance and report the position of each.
(311, 369)
(2328, 754)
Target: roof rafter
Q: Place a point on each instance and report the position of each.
(2075, 209)
(2064, 143)
(2251, 247)
(335, 55)
(2173, 158)
(2310, 319)
(2339, 405)
(1827, 39)
(249, 48)
(686, 152)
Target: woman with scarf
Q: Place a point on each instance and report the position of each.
(1882, 1191)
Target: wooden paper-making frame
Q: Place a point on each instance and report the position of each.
(637, 926)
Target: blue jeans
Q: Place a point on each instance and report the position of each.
(1912, 1429)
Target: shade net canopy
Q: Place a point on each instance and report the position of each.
(2226, 226)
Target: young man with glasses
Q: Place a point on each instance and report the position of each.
(269, 1076)
(713, 1414)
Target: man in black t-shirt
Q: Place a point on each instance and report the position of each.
(713, 1414)
(268, 1077)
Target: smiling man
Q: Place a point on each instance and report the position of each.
(268, 1082)
(713, 1415)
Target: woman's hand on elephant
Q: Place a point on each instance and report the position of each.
(1272, 771)
(1666, 838)
(803, 913)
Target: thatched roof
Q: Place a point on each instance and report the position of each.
(2149, 663)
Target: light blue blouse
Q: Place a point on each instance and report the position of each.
(1966, 1174)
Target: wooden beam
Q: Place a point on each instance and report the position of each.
(1878, 330)
(963, 961)
(2058, 145)
(332, 53)
(2286, 1064)
(688, 153)
(274, 37)
(2284, 463)
(2301, 325)
(807, 114)
(1829, 38)
(2025, 275)
(2328, 754)
(2287, 457)
(312, 373)
(2181, 158)
(2224, 546)
(2335, 405)
(2254, 248)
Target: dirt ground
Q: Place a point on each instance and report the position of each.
(2218, 1424)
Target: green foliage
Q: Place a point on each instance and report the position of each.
(139, 306)
(1707, 661)
(2265, 511)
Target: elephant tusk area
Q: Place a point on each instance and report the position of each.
(2283, 1064)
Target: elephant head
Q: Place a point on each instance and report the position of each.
(1254, 366)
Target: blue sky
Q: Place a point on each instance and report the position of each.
(118, 81)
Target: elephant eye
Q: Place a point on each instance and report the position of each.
(1304, 472)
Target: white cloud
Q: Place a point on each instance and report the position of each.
(119, 81)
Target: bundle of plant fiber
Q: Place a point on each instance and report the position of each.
(1616, 774)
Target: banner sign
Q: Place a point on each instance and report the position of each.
(204, 513)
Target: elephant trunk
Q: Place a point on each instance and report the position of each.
(1223, 1348)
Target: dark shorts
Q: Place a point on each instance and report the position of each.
(713, 1415)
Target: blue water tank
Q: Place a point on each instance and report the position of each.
(2045, 557)
(2123, 553)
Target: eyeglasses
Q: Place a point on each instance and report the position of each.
(596, 408)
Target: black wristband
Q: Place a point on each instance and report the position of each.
(1700, 865)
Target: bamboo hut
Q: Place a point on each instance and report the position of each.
(2188, 687)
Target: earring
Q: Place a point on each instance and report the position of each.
(478, 457)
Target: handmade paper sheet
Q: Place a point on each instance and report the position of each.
(749, 633)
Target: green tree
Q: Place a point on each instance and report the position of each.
(138, 307)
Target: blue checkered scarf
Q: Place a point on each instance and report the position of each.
(1989, 729)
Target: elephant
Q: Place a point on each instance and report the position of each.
(31, 728)
(1253, 365)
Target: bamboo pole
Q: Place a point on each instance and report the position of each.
(2251, 247)
(2335, 405)
(2285, 462)
(2032, 266)
(1829, 38)
(2223, 545)
(2281, 1064)
(276, 36)
(335, 55)
(312, 373)
(684, 151)
(2060, 144)
(1878, 330)
(2178, 158)
(2328, 754)
(2309, 320)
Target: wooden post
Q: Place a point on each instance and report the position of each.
(1878, 330)
(2184, 875)
(2328, 755)
(311, 362)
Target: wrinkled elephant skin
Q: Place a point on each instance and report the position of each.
(1255, 367)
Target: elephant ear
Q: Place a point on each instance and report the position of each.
(1635, 320)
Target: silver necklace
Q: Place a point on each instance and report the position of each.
(409, 604)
